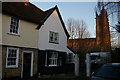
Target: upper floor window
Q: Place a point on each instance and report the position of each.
(14, 25)
(12, 57)
(53, 37)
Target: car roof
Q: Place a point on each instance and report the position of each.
(112, 64)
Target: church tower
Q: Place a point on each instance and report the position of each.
(102, 31)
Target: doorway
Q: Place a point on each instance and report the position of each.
(27, 64)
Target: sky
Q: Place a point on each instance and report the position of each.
(76, 10)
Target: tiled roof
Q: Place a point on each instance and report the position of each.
(25, 11)
(28, 11)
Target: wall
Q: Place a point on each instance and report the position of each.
(0, 28)
(11, 72)
(0, 41)
(16, 72)
(0, 62)
(28, 34)
(53, 23)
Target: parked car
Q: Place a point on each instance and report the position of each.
(95, 58)
(100, 57)
(109, 71)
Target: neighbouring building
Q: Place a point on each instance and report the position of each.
(33, 42)
(54, 55)
(19, 39)
(102, 41)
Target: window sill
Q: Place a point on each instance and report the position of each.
(53, 42)
(52, 66)
(13, 34)
(11, 67)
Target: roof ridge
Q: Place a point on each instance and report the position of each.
(36, 7)
(27, 11)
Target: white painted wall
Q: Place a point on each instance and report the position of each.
(53, 23)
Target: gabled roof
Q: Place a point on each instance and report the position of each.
(24, 10)
(29, 12)
(50, 12)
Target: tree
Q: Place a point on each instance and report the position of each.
(77, 29)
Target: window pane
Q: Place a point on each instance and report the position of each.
(14, 25)
(56, 37)
(12, 57)
(53, 37)
(8, 63)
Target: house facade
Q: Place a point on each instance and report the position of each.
(33, 42)
(19, 40)
(54, 55)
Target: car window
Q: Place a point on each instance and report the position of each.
(94, 57)
(108, 72)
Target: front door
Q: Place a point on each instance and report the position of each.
(27, 64)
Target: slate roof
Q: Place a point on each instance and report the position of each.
(28, 11)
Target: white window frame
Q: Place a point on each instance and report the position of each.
(54, 59)
(15, 26)
(17, 56)
(55, 36)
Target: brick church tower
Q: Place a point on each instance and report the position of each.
(102, 32)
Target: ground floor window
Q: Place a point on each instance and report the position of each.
(12, 57)
(53, 57)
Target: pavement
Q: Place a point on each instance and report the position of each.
(49, 77)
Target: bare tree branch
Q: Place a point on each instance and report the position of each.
(77, 29)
